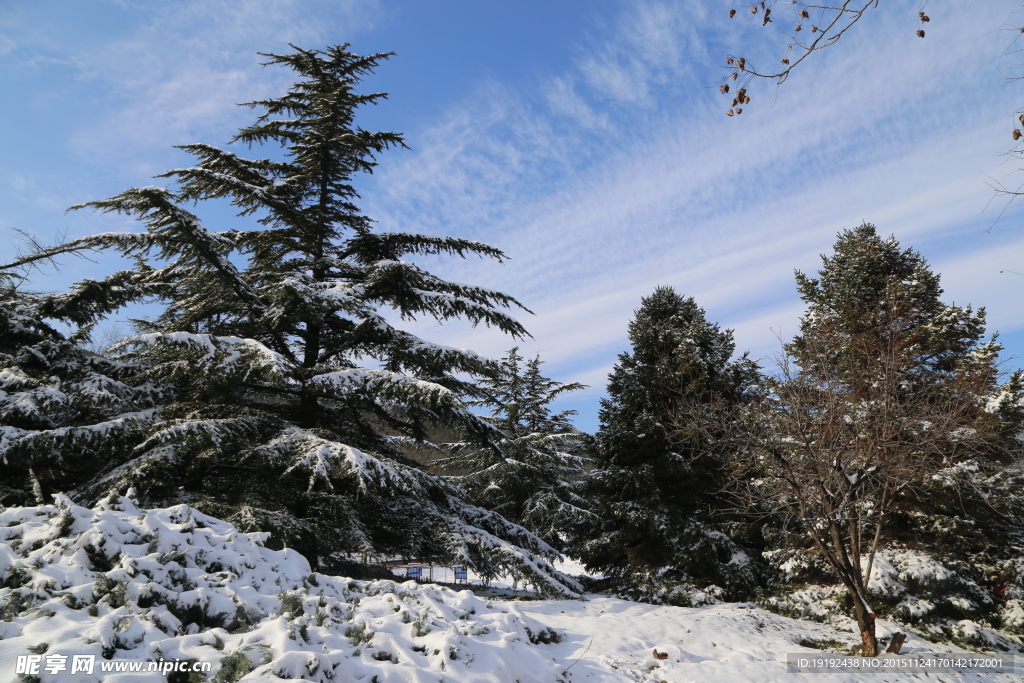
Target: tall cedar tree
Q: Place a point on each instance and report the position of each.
(537, 478)
(893, 399)
(654, 489)
(274, 422)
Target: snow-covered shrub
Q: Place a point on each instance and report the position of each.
(952, 567)
(124, 583)
(664, 587)
(813, 602)
(941, 597)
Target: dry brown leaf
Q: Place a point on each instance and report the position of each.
(732, 13)
(920, 33)
(724, 88)
(729, 112)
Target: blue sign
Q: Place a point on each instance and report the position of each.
(413, 572)
(460, 573)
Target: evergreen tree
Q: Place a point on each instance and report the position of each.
(655, 487)
(537, 476)
(63, 410)
(891, 424)
(282, 370)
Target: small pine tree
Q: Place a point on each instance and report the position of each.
(536, 477)
(282, 370)
(655, 487)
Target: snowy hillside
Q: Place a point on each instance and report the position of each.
(130, 585)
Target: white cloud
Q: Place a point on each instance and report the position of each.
(656, 43)
(621, 173)
(888, 129)
(179, 71)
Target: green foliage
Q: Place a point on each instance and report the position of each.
(273, 376)
(660, 457)
(187, 675)
(291, 603)
(233, 668)
(545, 636)
(536, 475)
(876, 328)
(896, 404)
(65, 413)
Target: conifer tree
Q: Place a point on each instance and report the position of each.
(655, 487)
(891, 419)
(536, 479)
(63, 411)
(283, 370)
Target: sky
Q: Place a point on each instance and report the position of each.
(585, 138)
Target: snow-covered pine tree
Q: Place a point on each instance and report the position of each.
(536, 479)
(655, 485)
(65, 413)
(276, 346)
(892, 425)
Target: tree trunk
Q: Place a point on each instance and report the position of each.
(866, 624)
(309, 406)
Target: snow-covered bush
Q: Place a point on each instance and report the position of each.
(124, 583)
(814, 602)
(943, 598)
(664, 588)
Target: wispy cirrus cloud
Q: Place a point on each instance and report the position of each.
(623, 174)
(167, 73)
(602, 179)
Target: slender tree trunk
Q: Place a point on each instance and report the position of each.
(309, 405)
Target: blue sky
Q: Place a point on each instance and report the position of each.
(581, 137)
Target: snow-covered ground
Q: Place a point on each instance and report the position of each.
(125, 585)
(615, 640)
